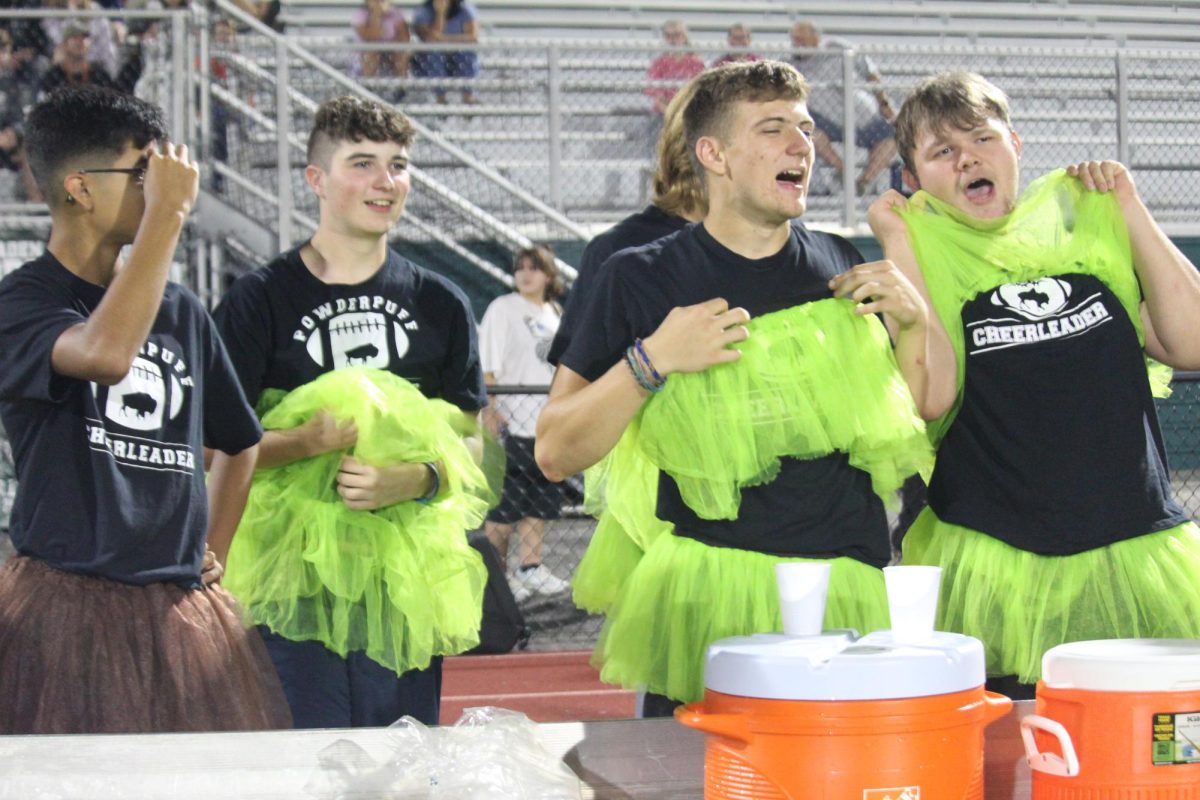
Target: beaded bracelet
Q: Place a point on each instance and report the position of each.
(639, 373)
(659, 379)
(427, 498)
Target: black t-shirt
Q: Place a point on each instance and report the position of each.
(635, 230)
(111, 478)
(286, 327)
(1056, 448)
(820, 507)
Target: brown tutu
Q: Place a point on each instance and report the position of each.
(89, 655)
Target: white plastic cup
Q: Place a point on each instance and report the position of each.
(802, 589)
(912, 601)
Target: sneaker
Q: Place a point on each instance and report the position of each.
(521, 592)
(541, 580)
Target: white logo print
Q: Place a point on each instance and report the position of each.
(1034, 299)
(139, 401)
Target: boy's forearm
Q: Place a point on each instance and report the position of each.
(228, 487)
(582, 421)
(103, 347)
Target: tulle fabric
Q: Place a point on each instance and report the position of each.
(399, 583)
(622, 492)
(812, 379)
(684, 595)
(1058, 227)
(1020, 604)
(87, 655)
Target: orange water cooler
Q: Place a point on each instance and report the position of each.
(1117, 720)
(834, 717)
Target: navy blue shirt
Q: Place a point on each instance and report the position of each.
(111, 478)
(286, 327)
(817, 508)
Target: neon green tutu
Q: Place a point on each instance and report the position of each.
(622, 492)
(400, 583)
(812, 380)
(685, 595)
(1020, 604)
(1058, 227)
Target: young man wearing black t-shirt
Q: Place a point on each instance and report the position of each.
(1050, 507)
(690, 297)
(112, 381)
(345, 298)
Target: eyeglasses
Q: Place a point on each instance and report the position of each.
(523, 265)
(138, 173)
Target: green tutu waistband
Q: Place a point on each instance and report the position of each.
(399, 583)
(1020, 604)
(684, 595)
(812, 380)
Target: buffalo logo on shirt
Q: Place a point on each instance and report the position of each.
(1034, 299)
(147, 400)
(361, 331)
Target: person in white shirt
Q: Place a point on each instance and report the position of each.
(515, 338)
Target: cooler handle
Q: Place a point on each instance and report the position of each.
(1066, 765)
(995, 706)
(732, 726)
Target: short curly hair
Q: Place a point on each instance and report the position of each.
(353, 119)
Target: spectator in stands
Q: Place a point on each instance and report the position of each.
(1063, 304)
(768, 456)
(873, 113)
(379, 21)
(103, 34)
(358, 632)
(738, 37)
(72, 67)
(514, 340)
(12, 125)
(675, 65)
(447, 21)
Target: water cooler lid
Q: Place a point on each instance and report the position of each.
(839, 666)
(1124, 665)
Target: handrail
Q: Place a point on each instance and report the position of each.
(481, 217)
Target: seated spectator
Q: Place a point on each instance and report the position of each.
(447, 21)
(103, 34)
(72, 67)
(31, 55)
(674, 65)
(12, 126)
(514, 341)
(739, 38)
(379, 21)
(873, 113)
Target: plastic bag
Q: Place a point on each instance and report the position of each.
(489, 754)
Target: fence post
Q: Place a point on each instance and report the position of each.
(1123, 148)
(849, 142)
(554, 132)
(203, 126)
(179, 81)
(283, 133)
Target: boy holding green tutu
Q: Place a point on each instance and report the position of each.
(352, 556)
(1050, 506)
(776, 411)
